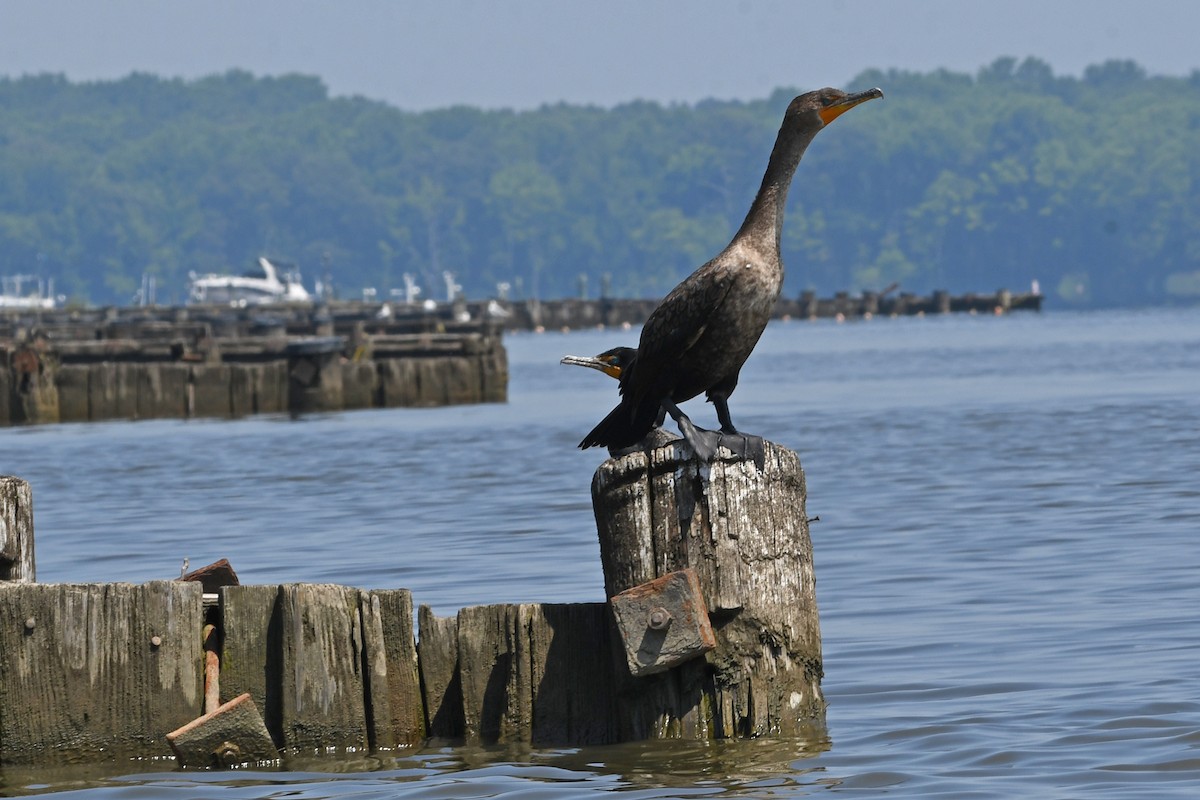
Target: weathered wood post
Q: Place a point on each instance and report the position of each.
(16, 531)
(745, 534)
(97, 671)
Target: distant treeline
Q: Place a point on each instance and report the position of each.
(954, 181)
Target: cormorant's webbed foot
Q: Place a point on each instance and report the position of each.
(746, 447)
(704, 443)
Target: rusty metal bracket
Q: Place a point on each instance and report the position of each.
(663, 623)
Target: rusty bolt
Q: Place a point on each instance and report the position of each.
(228, 754)
(660, 618)
(155, 641)
(30, 623)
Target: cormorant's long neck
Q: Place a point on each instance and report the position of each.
(764, 221)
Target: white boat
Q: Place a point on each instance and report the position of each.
(27, 292)
(266, 282)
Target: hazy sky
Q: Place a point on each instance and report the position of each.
(493, 53)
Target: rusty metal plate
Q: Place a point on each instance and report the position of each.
(663, 623)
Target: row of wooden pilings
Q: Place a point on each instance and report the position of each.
(580, 313)
(71, 381)
(710, 631)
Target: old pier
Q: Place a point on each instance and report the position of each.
(710, 630)
(88, 365)
(570, 314)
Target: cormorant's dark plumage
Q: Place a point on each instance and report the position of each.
(703, 331)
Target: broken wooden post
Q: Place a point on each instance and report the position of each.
(745, 534)
(231, 735)
(16, 531)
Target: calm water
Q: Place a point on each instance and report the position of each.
(1007, 557)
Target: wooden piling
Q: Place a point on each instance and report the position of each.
(16, 531)
(179, 369)
(745, 534)
(438, 663)
(537, 673)
(96, 671)
(395, 710)
(321, 693)
(107, 670)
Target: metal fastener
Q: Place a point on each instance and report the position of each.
(30, 623)
(155, 641)
(660, 618)
(228, 754)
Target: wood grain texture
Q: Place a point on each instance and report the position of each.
(94, 672)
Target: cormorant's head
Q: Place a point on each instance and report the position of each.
(611, 362)
(828, 104)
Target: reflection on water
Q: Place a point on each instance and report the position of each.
(1006, 559)
(765, 768)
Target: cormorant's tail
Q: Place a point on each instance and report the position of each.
(623, 427)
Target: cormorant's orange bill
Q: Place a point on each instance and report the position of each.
(834, 110)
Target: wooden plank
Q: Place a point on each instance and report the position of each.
(494, 371)
(438, 664)
(112, 390)
(430, 387)
(162, 390)
(271, 387)
(321, 667)
(102, 392)
(6, 390)
(495, 682)
(250, 649)
(461, 378)
(359, 385)
(98, 671)
(395, 709)
(210, 387)
(397, 382)
(72, 380)
(573, 691)
(241, 389)
(17, 563)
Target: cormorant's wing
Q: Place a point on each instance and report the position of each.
(676, 325)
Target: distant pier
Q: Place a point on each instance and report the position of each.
(68, 365)
(573, 314)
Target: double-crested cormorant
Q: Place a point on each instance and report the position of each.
(701, 334)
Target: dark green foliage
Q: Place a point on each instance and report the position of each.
(967, 183)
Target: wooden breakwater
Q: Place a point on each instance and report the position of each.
(572, 314)
(77, 366)
(719, 638)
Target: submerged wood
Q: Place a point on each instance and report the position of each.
(745, 533)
